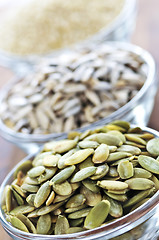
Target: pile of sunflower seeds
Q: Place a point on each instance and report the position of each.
(73, 90)
(84, 181)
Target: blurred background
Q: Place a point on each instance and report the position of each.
(145, 35)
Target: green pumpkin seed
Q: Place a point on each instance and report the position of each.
(86, 163)
(76, 222)
(33, 214)
(132, 137)
(135, 144)
(50, 198)
(8, 198)
(76, 201)
(153, 147)
(129, 149)
(118, 197)
(141, 173)
(19, 190)
(117, 156)
(17, 223)
(156, 181)
(44, 224)
(50, 160)
(36, 171)
(79, 156)
(112, 185)
(22, 209)
(91, 198)
(61, 162)
(139, 183)
(75, 209)
(24, 167)
(63, 175)
(125, 170)
(75, 186)
(101, 154)
(63, 188)
(138, 197)
(112, 127)
(123, 124)
(149, 163)
(30, 226)
(18, 198)
(116, 209)
(59, 198)
(85, 134)
(88, 144)
(30, 199)
(105, 138)
(91, 185)
(118, 134)
(60, 146)
(97, 215)
(49, 173)
(101, 171)
(73, 134)
(83, 174)
(62, 225)
(29, 188)
(75, 230)
(79, 214)
(42, 194)
(118, 192)
(112, 149)
(47, 209)
(38, 160)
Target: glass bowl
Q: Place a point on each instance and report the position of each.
(137, 110)
(120, 29)
(140, 224)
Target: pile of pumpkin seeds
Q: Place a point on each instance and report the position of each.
(84, 181)
(70, 91)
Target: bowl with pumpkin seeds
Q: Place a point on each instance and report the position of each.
(99, 184)
(80, 88)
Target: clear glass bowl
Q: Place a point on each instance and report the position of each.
(118, 30)
(140, 224)
(137, 110)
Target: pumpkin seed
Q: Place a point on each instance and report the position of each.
(44, 224)
(153, 147)
(79, 214)
(101, 154)
(76, 222)
(86, 163)
(30, 199)
(123, 124)
(118, 134)
(117, 156)
(18, 198)
(38, 160)
(47, 209)
(75, 209)
(50, 160)
(116, 209)
(78, 156)
(36, 171)
(83, 174)
(132, 137)
(62, 225)
(139, 183)
(8, 198)
(156, 181)
(29, 188)
(141, 173)
(17, 223)
(42, 194)
(30, 226)
(118, 197)
(63, 175)
(76, 201)
(22, 209)
(125, 170)
(97, 215)
(88, 144)
(112, 172)
(149, 163)
(105, 138)
(129, 149)
(59, 198)
(75, 229)
(63, 188)
(112, 185)
(31, 181)
(50, 198)
(49, 173)
(19, 190)
(60, 146)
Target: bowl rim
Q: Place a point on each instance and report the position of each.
(9, 134)
(129, 221)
